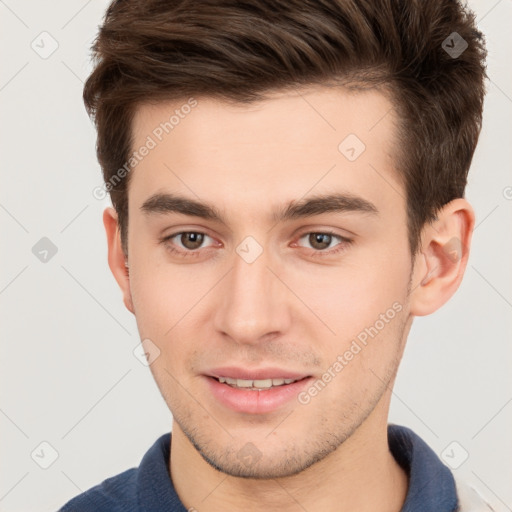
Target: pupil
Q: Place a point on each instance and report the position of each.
(320, 238)
(192, 240)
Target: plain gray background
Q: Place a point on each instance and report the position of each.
(69, 377)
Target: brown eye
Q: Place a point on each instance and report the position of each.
(324, 243)
(319, 241)
(191, 240)
(187, 243)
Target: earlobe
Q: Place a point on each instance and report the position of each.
(442, 258)
(117, 260)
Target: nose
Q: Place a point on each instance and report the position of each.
(252, 301)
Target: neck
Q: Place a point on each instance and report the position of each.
(360, 475)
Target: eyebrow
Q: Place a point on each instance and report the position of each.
(163, 203)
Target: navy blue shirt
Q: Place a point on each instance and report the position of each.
(149, 488)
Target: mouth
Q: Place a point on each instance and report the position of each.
(256, 396)
(256, 384)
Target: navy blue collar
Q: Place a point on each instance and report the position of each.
(431, 483)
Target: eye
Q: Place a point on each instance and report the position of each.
(320, 241)
(185, 243)
(191, 240)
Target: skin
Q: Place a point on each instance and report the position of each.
(289, 308)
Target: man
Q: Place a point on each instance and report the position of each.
(288, 187)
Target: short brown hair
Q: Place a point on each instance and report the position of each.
(150, 50)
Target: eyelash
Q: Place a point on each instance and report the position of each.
(344, 244)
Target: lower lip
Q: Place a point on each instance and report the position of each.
(253, 401)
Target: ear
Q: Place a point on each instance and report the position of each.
(117, 261)
(441, 260)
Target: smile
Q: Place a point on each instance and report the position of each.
(256, 385)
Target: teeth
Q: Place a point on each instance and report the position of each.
(255, 384)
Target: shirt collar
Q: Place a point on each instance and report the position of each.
(431, 483)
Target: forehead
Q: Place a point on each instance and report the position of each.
(316, 139)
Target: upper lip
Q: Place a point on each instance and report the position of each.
(257, 374)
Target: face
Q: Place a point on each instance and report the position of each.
(292, 262)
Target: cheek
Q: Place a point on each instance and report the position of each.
(353, 295)
(162, 306)
(155, 297)
(166, 296)
(365, 309)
